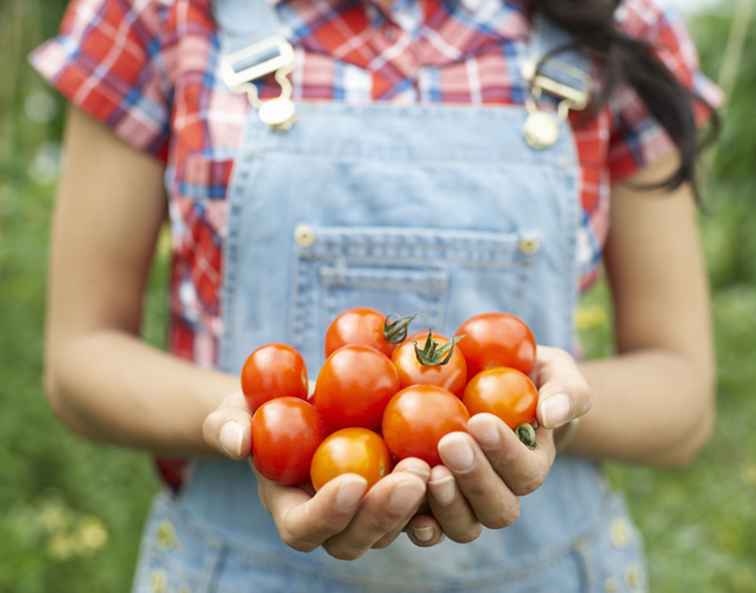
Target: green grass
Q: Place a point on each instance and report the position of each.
(699, 523)
(72, 511)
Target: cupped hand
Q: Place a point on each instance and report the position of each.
(486, 471)
(343, 516)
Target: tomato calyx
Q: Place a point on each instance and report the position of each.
(526, 433)
(433, 353)
(395, 329)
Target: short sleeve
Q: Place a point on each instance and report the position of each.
(636, 138)
(108, 59)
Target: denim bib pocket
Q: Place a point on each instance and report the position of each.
(402, 271)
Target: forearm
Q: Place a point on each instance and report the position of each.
(112, 387)
(649, 406)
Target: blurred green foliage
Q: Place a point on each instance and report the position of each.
(73, 511)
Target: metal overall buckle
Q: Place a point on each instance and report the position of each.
(541, 128)
(240, 69)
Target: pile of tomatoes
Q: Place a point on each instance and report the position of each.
(383, 395)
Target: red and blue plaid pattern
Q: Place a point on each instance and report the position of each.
(148, 69)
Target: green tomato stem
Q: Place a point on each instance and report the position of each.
(527, 435)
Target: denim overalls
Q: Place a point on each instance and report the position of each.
(443, 211)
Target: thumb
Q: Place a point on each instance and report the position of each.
(564, 393)
(228, 428)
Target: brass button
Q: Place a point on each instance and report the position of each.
(158, 581)
(304, 235)
(633, 576)
(619, 533)
(166, 535)
(611, 585)
(541, 130)
(529, 245)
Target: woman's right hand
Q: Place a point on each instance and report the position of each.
(341, 516)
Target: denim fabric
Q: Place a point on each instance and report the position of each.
(436, 210)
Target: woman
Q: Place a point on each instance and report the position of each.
(446, 158)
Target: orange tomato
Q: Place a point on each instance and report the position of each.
(418, 417)
(286, 431)
(354, 386)
(508, 394)
(418, 369)
(350, 451)
(497, 340)
(273, 370)
(363, 326)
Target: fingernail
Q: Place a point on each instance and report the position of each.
(417, 468)
(457, 453)
(443, 490)
(556, 410)
(423, 534)
(231, 438)
(404, 496)
(486, 432)
(350, 493)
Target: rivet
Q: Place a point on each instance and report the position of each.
(618, 533)
(166, 535)
(304, 235)
(611, 585)
(158, 581)
(632, 576)
(529, 245)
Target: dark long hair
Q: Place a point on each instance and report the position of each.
(629, 60)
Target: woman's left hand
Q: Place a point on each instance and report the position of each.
(486, 471)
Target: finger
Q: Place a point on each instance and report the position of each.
(305, 522)
(493, 503)
(228, 428)
(424, 531)
(564, 394)
(522, 469)
(386, 508)
(455, 517)
(414, 466)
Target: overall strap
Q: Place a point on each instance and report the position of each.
(249, 20)
(570, 68)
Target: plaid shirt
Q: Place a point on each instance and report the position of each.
(148, 69)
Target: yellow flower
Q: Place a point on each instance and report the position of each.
(61, 546)
(91, 534)
(749, 474)
(53, 516)
(164, 242)
(590, 317)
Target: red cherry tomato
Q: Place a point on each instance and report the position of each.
(354, 386)
(417, 417)
(273, 370)
(363, 326)
(508, 394)
(422, 363)
(497, 339)
(350, 451)
(285, 434)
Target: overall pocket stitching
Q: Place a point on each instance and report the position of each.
(395, 246)
(430, 283)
